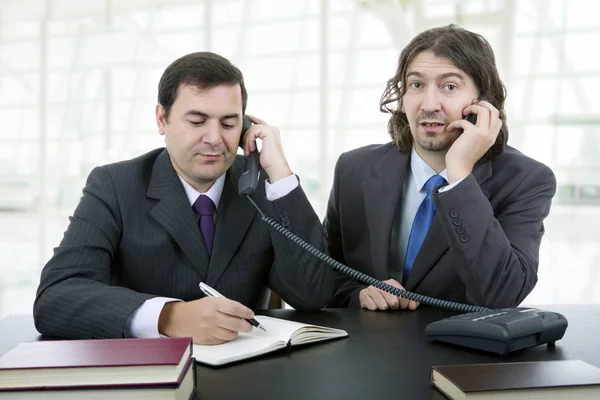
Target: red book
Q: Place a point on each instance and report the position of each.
(95, 363)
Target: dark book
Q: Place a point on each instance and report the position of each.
(95, 363)
(548, 380)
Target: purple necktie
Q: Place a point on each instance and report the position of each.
(206, 208)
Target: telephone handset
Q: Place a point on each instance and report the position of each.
(497, 331)
(472, 118)
(249, 180)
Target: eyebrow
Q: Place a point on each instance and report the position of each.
(205, 115)
(442, 76)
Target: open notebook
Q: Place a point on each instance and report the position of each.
(252, 344)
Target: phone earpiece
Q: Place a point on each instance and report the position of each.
(472, 118)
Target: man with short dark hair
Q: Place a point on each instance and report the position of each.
(147, 231)
(446, 209)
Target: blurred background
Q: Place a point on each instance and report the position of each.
(78, 86)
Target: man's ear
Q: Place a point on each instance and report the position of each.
(161, 120)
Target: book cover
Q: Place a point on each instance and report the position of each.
(95, 353)
(515, 377)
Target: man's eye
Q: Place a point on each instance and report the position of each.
(196, 123)
(450, 87)
(226, 126)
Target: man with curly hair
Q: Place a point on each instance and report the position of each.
(446, 209)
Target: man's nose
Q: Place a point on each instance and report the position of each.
(212, 134)
(431, 100)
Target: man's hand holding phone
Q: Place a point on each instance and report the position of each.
(272, 158)
(475, 140)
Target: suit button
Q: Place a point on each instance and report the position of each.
(454, 213)
(457, 221)
(285, 221)
(464, 238)
(460, 230)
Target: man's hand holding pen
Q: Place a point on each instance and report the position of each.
(210, 320)
(208, 291)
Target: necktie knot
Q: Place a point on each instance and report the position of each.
(433, 182)
(204, 206)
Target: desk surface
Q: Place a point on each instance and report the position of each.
(386, 356)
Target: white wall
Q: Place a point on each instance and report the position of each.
(78, 86)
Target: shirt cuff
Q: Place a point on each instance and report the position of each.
(281, 188)
(449, 187)
(144, 320)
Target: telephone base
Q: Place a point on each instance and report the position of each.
(500, 331)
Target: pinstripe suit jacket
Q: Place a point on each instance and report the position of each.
(134, 236)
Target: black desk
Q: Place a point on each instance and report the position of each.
(386, 356)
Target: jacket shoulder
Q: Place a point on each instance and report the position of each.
(142, 161)
(518, 163)
(126, 172)
(364, 157)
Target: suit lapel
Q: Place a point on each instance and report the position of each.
(175, 213)
(381, 195)
(234, 217)
(436, 242)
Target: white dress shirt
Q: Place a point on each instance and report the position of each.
(413, 195)
(144, 321)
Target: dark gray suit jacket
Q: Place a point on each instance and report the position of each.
(483, 244)
(135, 236)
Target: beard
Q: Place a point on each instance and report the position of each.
(437, 142)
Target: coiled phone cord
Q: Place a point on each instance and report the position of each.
(364, 278)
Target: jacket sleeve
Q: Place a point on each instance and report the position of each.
(347, 289)
(74, 298)
(298, 277)
(497, 255)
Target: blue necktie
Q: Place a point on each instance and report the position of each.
(421, 224)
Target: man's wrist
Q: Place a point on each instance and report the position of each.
(276, 173)
(166, 317)
(456, 174)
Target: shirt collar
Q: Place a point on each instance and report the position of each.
(421, 171)
(214, 192)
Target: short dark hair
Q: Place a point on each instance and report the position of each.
(468, 51)
(204, 70)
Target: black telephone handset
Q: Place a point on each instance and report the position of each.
(497, 331)
(249, 180)
(472, 118)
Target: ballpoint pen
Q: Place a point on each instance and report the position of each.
(207, 290)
